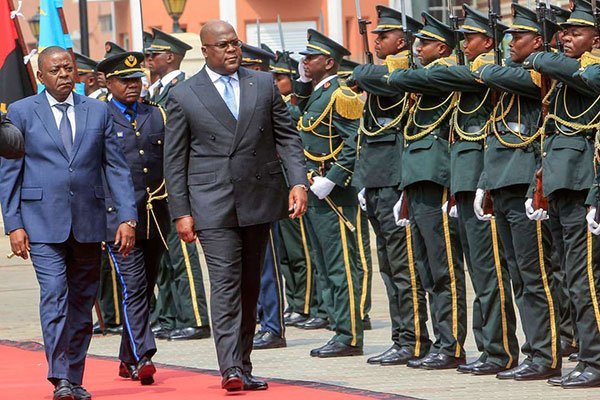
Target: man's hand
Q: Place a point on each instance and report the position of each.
(478, 206)
(593, 226)
(362, 201)
(452, 213)
(126, 238)
(403, 222)
(534, 215)
(297, 201)
(321, 187)
(19, 243)
(185, 229)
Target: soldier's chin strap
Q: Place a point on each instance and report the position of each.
(155, 196)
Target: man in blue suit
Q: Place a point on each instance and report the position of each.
(53, 208)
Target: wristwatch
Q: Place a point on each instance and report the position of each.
(302, 186)
(132, 223)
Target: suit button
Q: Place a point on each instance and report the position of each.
(145, 170)
(71, 193)
(110, 209)
(70, 169)
(254, 153)
(258, 176)
(544, 154)
(137, 134)
(212, 137)
(141, 152)
(261, 129)
(159, 142)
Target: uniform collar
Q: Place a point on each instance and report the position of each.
(324, 81)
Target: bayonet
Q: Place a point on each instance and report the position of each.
(321, 22)
(285, 54)
(362, 29)
(258, 32)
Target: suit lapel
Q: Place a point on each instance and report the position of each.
(46, 117)
(119, 117)
(208, 94)
(248, 96)
(167, 88)
(81, 111)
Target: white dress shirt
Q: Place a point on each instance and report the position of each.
(58, 114)
(164, 80)
(325, 80)
(220, 85)
(97, 93)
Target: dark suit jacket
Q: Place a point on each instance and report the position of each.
(227, 173)
(51, 194)
(11, 139)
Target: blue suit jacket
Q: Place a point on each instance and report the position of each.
(50, 194)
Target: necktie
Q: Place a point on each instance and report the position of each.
(131, 114)
(229, 96)
(157, 89)
(66, 133)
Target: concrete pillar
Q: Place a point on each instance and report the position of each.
(335, 21)
(228, 12)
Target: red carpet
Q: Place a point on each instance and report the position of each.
(23, 376)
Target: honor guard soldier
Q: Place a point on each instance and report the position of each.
(328, 127)
(568, 151)
(494, 322)
(139, 130)
(149, 79)
(380, 142)
(181, 312)
(88, 75)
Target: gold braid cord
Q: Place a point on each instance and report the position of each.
(384, 127)
(427, 129)
(155, 196)
(525, 140)
(464, 135)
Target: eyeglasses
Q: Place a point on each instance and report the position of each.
(224, 45)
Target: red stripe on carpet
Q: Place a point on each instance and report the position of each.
(23, 376)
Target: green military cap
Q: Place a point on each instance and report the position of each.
(524, 20)
(164, 42)
(321, 44)
(581, 14)
(560, 14)
(476, 22)
(112, 49)
(253, 55)
(85, 65)
(434, 29)
(282, 66)
(267, 48)
(124, 65)
(346, 67)
(148, 38)
(390, 19)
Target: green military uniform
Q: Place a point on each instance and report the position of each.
(378, 169)
(567, 158)
(511, 159)
(328, 128)
(425, 180)
(494, 322)
(181, 300)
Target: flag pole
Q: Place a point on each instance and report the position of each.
(65, 29)
(23, 47)
(137, 25)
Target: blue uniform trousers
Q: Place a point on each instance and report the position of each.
(270, 300)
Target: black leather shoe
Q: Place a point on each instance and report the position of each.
(163, 333)
(157, 327)
(96, 329)
(574, 357)
(536, 372)
(487, 368)
(510, 373)
(337, 349)
(295, 318)
(468, 367)
(128, 371)
(315, 352)
(314, 323)
(589, 377)
(145, 371)
(114, 330)
(191, 333)
(400, 357)
(251, 383)
(232, 380)
(557, 380)
(442, 361)
(377, 359)
(367, 323)
(63, 390)
(79, 393)
(566, 348)
(268, 340)
(418, 362)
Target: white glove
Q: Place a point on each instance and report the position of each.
(534, 215)
(302, 72)
(593, 226)
(321, 187)
(361, 200)
(453, 210)
(478, 206)
(397, 207)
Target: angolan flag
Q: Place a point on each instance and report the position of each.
(14, 79)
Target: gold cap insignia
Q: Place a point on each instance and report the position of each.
(130, 61)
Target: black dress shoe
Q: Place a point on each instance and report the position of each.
(191, 333)
(79, 393)
(574, 357)
(314, 323)
(418, 362)
(536, 372)
(157, 327)
(566, 348)
(114, 329)
(63, 390)
(488, 368)
(128, 371)
(315, 352)
(232, 380)
(251, 383)
(367, 323)
(377, 359)
(589, 377)
(400, 357)
(442, 361)
(96, 329)
(557, 380)
(294, 319)
(510, 373)
(468, 367)
(145, 371)
(268, 340)
(338, 349)
(163, 333)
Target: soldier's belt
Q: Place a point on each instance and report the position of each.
(474, 129)
(384, 120)
(512, 127)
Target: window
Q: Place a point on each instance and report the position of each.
(105, 21)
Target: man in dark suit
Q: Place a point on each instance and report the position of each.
(11, 139)
(140, 131)
(53, 209)
(228, 131)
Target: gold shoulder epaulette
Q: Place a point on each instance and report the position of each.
(589, 58)
(397, 61)
(481, 60)
(160, 108)
(536, 77)
(445, 61)
(347, 103)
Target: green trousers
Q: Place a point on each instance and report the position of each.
(526, 246)
(110, 293)
(181, 301)
(336, 254)
(494, 321)
(582, 272)
(439, 260)
(364, 261)
(406, 295)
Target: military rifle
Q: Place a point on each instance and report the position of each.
(408, 35)
(362, 29)
(493, 17)
(454, 23)
(285, 54)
